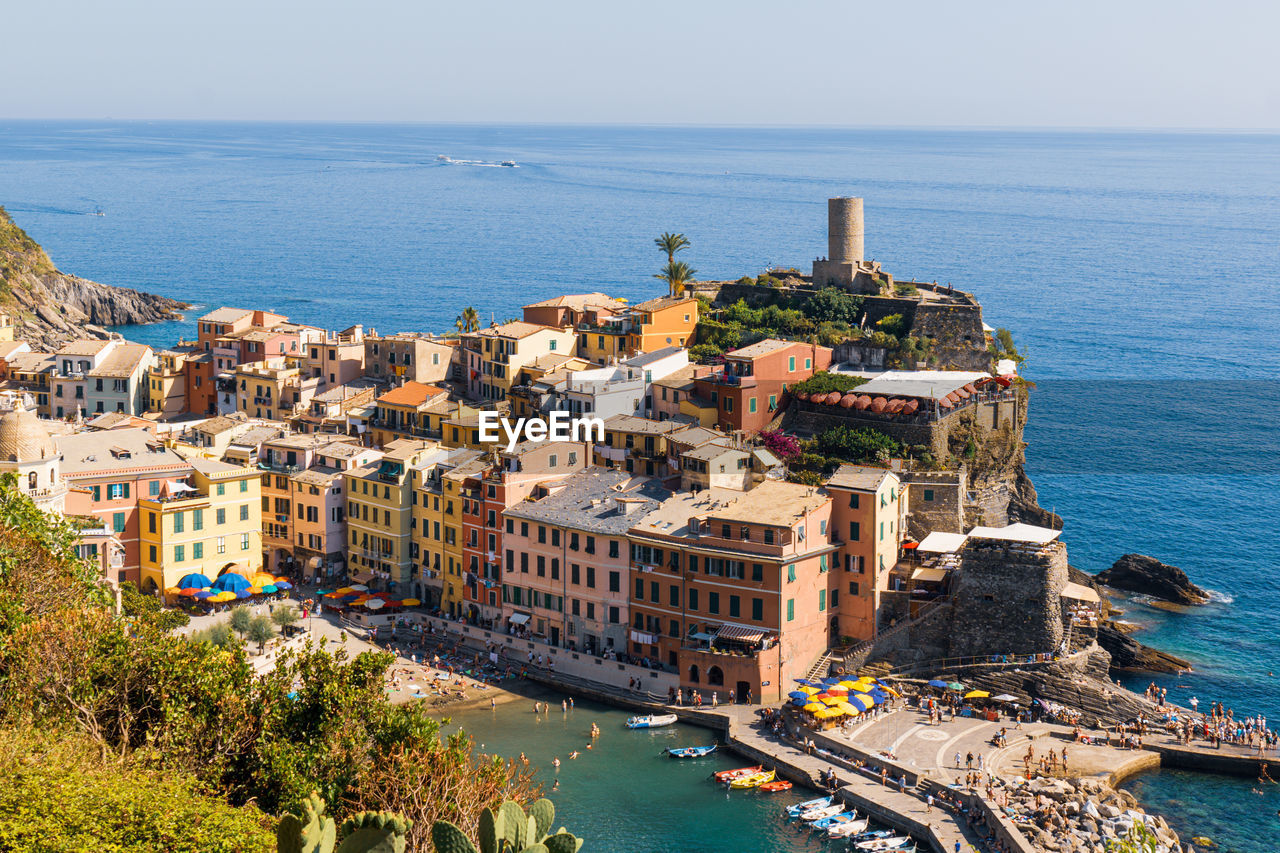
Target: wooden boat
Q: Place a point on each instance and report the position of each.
(820, 813)
(726, 775)
(691, 751)
(776, 785)
(892, 843)
(800, 808)
(875, 833)
(826, 823)
(755, 780)
(848, 828)
(652, 721)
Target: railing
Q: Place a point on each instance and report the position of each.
(940, 664)
(856, 655)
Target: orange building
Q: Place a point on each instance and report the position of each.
(868, 517)
(747, 391)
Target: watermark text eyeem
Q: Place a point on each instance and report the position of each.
(559, 426)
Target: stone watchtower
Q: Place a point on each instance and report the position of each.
(844, 265)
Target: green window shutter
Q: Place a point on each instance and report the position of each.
(197, 550)
(791, 609)
(97, 493)
(822, 600)
(751, 405)
(822, 563)
(791, 572)
(126, 491)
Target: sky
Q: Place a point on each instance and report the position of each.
(1119, 63)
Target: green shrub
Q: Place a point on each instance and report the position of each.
(139, 606)
(825, 383)
(858, 445)
(893, 324)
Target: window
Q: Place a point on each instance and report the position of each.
(773, 402)
(178, 523)
(928, 494)
(791, 573)
(713, 602)
(853, 500)
(511, 526)
(118, 491)
(542, 566)
(220, 516)
(735, 608)
(728, 404)
(555, 569)
(117, 521)
(575, 575)
(155, 488)
(835, 598)
(555, 536)
(222, 489)
(757, 609)
(244, 510)
(179, 553)
(151, 553)
(853, 587)
(855, 530)
(613, 547)
(791, 609)
(244, 541)
(822, 527)
(693, 599)
(751, 405)
(524, 562)
(591, 545)
(822, 563)
(822, 600)
(882, 531)
(791, 364)
(151, 522)
(808, 363)
(197, 551)
(615, 581)
(654, 591)
(639, 589)
(674, 597)
(757, 572)
(591, 577)
(768, 536)
(244, 484)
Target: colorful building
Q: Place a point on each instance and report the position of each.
(379, 515)
(494, 357)
(868, 517)
(746, 391)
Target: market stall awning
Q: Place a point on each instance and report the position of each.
(938, 542)
(518, 618)
(1080, 592)
(740, 633)
(929, 575)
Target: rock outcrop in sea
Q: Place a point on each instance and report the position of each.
(50, 307)
(1148, 576)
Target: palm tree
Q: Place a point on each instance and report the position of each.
(671, 243)
(677, 274)
(468, 320)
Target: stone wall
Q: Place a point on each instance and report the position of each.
(860, 354)
(945, 512)
(956, 329)
(1008, 598)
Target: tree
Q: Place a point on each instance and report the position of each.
(261, 631)
(219, 636)
(858, 445)
(285, 615)
(824, 383)
(240, 619)
(676, 274)
(670, 244)
(136, 605)
(834, 305)
(468, 320)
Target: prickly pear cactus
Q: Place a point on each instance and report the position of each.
(543, 812)
(488, 831)
(314, 832)
(374, 832)
(447, 838)
(508, 830)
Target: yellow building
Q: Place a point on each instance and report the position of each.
(167, 384)
(274, 389)
(379, 513)
(493, 358)
(413, 410)
(650, 326)
(208, 526)
(432, 516)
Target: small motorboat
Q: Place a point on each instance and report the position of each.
(755, 780)
(691, 751)
(776, 785)
(848, 829)
(726, 775)
(652, 721)
(826, 823)
(510, 164)
(821, 812)
(893, 842)
(800, 808)
(868, 836)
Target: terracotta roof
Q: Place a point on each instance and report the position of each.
(578, 301)
(661, 302)
(411, 394)
(514, 329)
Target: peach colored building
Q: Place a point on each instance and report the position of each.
(868, 517)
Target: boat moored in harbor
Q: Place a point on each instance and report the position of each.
(652, 721)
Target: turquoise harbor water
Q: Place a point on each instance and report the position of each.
(1138, 270)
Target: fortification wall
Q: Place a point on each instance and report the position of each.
(956, 330)
(1008, 598)
(935, 501)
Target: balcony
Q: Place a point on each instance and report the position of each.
(732, 380)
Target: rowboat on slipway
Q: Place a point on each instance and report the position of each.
(652, 721)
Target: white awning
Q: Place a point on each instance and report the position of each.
(518, 618)
(938, 542)
(1080, 592)
(1017, 533)
(929, 575)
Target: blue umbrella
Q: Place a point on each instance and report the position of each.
(938, 683)
(832, 680)
(195, 580)
(203, 594)
(283, 585)
(244, 593)
(799, 694)
(231, 582)
(800, 703)
(801, 680)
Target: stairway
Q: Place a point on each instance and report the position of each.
(822, 666)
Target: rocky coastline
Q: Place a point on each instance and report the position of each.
(1148, 576)
(50, 307)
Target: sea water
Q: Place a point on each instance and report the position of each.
(1136, 270)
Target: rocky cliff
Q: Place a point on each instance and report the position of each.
(1148, 576)
(50, 307)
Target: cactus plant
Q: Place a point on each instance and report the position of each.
(367, 832)
(509, 830)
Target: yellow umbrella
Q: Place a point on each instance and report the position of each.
(861, 699)
(261, 579)
(344, 590)
(832, 700)
(828, 714)
(410, 602)
(809, 690)
(814, 707)
(977, 694)
(862, 687)
(255, 590)
(173, 590)
(849, 709)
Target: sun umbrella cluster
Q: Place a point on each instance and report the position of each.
(831, 698)
(234, 584)
(358, 595)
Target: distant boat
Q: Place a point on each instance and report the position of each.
(509, 163)
(691, 751)
(652, 721)
(443, 158)
(98, 212)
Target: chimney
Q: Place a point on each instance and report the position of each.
(844, 230)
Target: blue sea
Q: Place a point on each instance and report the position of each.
(1138, 271)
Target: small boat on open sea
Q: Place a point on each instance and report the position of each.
(726, 775)
(755, 780)
(652, 721)
(895, 842)
(691, 751)
(800, 808)
(776, 785)
(848, 829)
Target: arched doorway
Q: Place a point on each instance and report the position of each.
(693, 673)
(715, 675)
(149, 586)
(743, 692)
